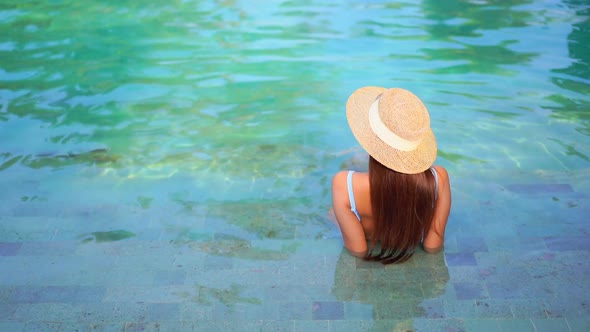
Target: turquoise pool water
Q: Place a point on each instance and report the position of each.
(179, 154)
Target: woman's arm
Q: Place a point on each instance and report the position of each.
(434, 240)
(350, 227)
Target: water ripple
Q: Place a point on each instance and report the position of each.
(236, 96)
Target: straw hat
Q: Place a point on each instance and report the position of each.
(393, 126)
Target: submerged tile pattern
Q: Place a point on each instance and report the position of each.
(515, 260)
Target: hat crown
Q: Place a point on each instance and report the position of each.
(393, 126)
(404, 114)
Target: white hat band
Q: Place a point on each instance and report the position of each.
(386, 135)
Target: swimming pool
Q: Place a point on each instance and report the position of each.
(169, 163)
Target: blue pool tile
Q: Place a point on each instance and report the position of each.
(75, 327)
(48, 312)
(25, 228)
(460, 309)
(13, 326)
(107, 326)
(517, 286)
(559, 307)
(504, 243)
(528, 308)
(26, 294)
(539, 188)
(153, 263)
(327, 310)
(579, 324)
(103, 312)
(213, 262)
(311, 325)
(470, 290)
(298, 292)
(241, 325)
(550, 324)
(358, 311)
(433, 308)
(244, 311)
(86, 294)
(56, 294)
(467, 244)
(54, 248)
(493, 309)
(129, 276)
(504, 289)
(7, 311)
(516, 325)
(450, 324)
(362, 325)
(294, 311)
(482, 325)
(42, 326)
(141, 326)
(9, 248)
(179, 325)
(126, 311)
(531, 243)
(274, 325)
(157, 312)
(212, 326)
(460, 259)
(567, 243)
(169, 278)
(194, 311)
(469, 273)
(5, 292)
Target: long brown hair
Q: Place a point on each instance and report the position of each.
(403, 207)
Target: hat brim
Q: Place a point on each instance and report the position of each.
(409, 162)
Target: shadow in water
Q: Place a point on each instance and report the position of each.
(393, 295)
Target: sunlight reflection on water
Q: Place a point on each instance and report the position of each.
(245, 103)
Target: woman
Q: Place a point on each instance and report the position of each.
(403, 201)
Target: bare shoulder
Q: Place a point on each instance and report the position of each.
(443, 178)
(441, 171)
(434, 240)
(339, 180)
(444, 184)
(350, 227)
(339, 188)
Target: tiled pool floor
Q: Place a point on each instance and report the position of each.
(517, 259)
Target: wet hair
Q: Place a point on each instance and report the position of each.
(403, 208)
